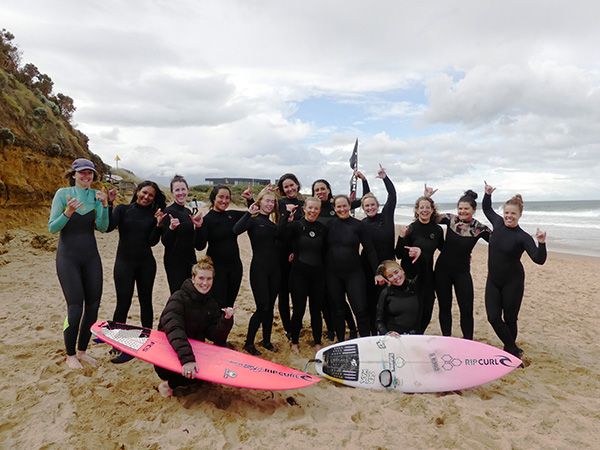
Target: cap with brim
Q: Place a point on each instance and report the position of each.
(83, 164)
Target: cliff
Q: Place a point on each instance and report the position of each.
(37, 147)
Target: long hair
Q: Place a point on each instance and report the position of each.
(160, 201)
(434, 215)
(275, 213)
(326, 183)
(282, 178)
(215, 190)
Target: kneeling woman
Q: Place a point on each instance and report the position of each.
(192, 313)
(399, 306)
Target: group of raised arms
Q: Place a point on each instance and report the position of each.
(360, 277)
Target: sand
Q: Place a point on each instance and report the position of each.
(554, 403)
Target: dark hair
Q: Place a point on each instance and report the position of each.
(282, 178)
(469, 197)
(215, 190)
(345, 197)
(326, 183)
(178, 179)
(69, 176)
(160, 201)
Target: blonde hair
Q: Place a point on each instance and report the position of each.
(275, 212)
(517, 200)
(367, 196)
(204, 263)
(389, 264)
(312, 199)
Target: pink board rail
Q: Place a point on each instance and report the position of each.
(216, 364)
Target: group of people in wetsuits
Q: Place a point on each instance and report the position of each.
(353, 273)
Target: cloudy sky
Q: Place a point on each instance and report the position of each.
(451, 93)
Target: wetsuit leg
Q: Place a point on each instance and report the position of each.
(71, 282)
(264, 284)
(226, 286)
(463, 287)
(284, 290)
(337, 298)
(428, 296)
(299, 290)
(499, 300)
(92, 291)
(357, 296)
(124, 276)
(316, 293)
(177, 273)
(443, 288)
(146, 273)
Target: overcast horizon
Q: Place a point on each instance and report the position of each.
(448, 93)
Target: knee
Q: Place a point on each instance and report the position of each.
(74, 313)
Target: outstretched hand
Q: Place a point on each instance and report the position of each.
(247, 194)
(429, 191)
(381, 172)
(414, 253)
(254, 208)
(228, 312)
(197, 220)
(359, 174)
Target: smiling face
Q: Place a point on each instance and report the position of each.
(511, 216)
(83, 178)
(203, 280)
(370, 206)
(290, 188)
(222, 200)
(321, 191)
(180, 192)
(145, 196)
(465, 211)
(342, 208)
(267, 203)
(395, 275)
(311, 210)
(424, 211)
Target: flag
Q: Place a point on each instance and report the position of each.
(354, 157)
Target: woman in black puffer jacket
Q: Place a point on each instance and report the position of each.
(192, 313)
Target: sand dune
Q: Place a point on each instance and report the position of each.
(554, 403)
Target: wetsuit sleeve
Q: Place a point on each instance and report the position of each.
(390, 204)
(102, 218)
(380, 313)
(155, 234)
(172, 323)
(57, 219)
(537, 254)
(201, 237)
(444, 219)
(114, 217)
(243, 224)
(489, 212)
(482, 231)
(407, 240)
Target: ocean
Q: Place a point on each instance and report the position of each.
(571, 226)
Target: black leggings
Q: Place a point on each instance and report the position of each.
(174, 379)
(284, 289)
(265, 284)
(130, 273)
(352, 284)
(227, 281)
(307, 281)
(81, 280)
(428, 296)
(463, 287)
(504, 300)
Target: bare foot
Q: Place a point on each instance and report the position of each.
(165, 390)
(73, 362)
(83, 356)
(318, 347)
(295, 349)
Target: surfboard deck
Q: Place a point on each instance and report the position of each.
(414, 363)
(216, 364)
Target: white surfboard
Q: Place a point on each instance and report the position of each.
(414, 363)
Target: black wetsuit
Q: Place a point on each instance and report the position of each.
(284, 250)
(264, 272)
(328, 213)
(506, 277)
(78, 263)
(381, 229)
(179, 255)
(135, 263)
(217, 231)
(453, 268)
(344, 272)
(428, 237)
(307, 275)
(399, 309)
(189, 314)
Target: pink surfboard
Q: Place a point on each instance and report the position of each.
(216, 364)
(414, 363)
